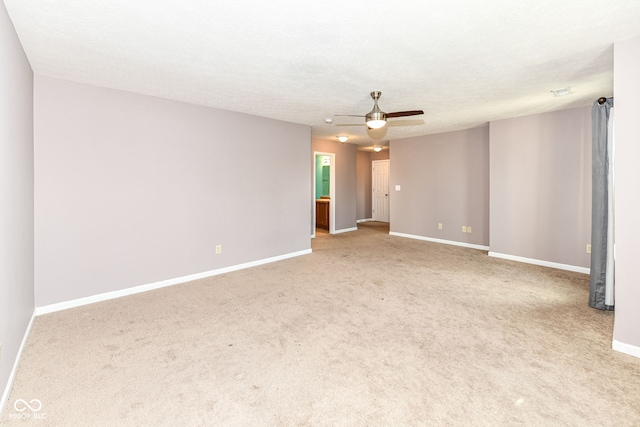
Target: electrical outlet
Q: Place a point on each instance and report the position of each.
(468, 229)
(439, 226)
(218, 249)
(464, 228)
(588, 249)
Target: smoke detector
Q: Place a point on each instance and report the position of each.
(562, 92)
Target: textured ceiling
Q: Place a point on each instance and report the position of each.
(464, 62)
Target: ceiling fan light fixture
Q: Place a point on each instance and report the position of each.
(343, 138)
(376, 124)
(376, 118)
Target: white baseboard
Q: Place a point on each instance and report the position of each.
(626, 348)
(446, 242)
(541, 263)
(345, 230)
(157, 285)
(364, 220)
(12, 374)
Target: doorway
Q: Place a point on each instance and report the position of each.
(324, 190)
(380, 190)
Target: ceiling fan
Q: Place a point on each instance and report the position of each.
(376, 118)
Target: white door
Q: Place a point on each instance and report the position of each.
(380, 187)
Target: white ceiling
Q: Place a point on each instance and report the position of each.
(464, 62)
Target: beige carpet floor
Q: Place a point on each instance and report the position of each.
(368, 330)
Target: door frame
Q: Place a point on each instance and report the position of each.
(332, 192)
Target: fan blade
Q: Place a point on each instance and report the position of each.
(404, 113)
(404, 122)
(347, 115)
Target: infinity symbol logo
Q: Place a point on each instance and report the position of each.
(21, 405)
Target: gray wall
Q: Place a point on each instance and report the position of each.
(363, 185)
(382, 155)
(627, 191)
(363, 181)
(541, 186)
(16, 196)
(132, 189)
(444, 178)
(345, 170)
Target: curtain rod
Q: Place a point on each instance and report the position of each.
(602, 100)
